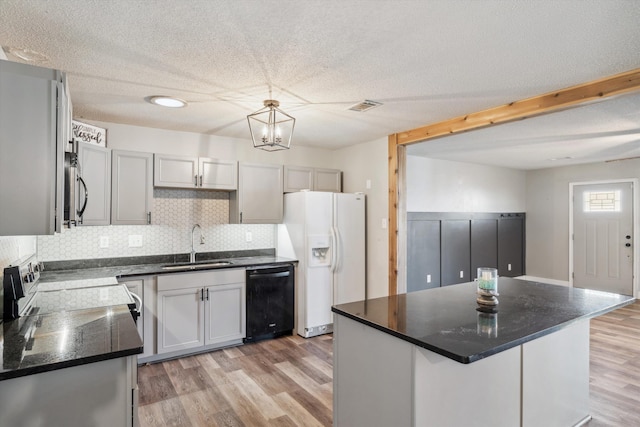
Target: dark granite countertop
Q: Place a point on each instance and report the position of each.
(445, 320)
(41, 342)
(46, 342)
(153, 265)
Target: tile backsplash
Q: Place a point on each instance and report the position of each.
(14, 247)
(174, 214)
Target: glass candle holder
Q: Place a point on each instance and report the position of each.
(488, 280)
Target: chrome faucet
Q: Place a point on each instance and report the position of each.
(192, 257)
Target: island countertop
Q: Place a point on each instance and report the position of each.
(445, 320)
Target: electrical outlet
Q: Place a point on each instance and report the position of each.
(104, 241)
(248, 237)
(135, 241)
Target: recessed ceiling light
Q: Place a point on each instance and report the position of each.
(167, 101)
(28, 54)
(561, 158)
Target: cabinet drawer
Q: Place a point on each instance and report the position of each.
(200, 278)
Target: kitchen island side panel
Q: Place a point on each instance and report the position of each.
(372, 374)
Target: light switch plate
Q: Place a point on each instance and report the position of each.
(248, 237)
(104, 241)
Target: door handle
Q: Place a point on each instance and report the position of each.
(627, 237)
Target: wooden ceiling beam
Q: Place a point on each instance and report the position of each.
(541, 104)
(537, 105)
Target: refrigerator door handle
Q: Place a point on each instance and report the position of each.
(334, 249)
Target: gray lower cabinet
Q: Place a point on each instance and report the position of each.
(423, 255)
(35, 121)
(455, 257)
(131, 187)
(511, 245)
(95, 168)
(259, 198)
(200, 310)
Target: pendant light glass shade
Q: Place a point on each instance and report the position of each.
(271, 128)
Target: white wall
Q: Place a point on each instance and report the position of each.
(548, 212)
(152, 140)
(359, 163)
(445, 186)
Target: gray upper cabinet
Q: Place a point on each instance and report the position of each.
(216, 174)
(297, 178)
(259, 198)
(194, 172)
(132, 187)
(35, 126)
(175, 171)
(327, 180)
(95, 168)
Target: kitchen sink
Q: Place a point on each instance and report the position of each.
(195, 265)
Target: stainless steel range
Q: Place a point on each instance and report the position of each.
(20, 284)
(25, 295)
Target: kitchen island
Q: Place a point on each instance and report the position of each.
(429, 358)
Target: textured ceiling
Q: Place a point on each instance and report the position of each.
(425, 60)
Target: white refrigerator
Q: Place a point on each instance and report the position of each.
(326, 233)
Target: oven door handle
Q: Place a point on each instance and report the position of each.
(138, 300)
(86, 197)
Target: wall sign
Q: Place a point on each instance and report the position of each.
(82, 132)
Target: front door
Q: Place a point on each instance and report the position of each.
(603, 237)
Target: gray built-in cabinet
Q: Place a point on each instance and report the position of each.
(94, 164)
(35, 123)
(131, 187)
(194, 172)
(259, 199)
(200, 310)
(297, 178)
(447, 248)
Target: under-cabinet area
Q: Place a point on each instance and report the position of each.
(448, 248)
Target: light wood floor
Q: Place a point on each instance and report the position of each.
(288, 381)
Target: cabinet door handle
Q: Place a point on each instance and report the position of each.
(148, 217)
(196, 176)
(200, 180)
(240, 217)
(201, 294)
(207, 294)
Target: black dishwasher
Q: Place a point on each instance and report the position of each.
(270, 302)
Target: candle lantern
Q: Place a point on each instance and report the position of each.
(487, 288)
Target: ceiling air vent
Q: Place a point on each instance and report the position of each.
(365, 106)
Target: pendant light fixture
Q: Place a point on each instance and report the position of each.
(271, 128)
